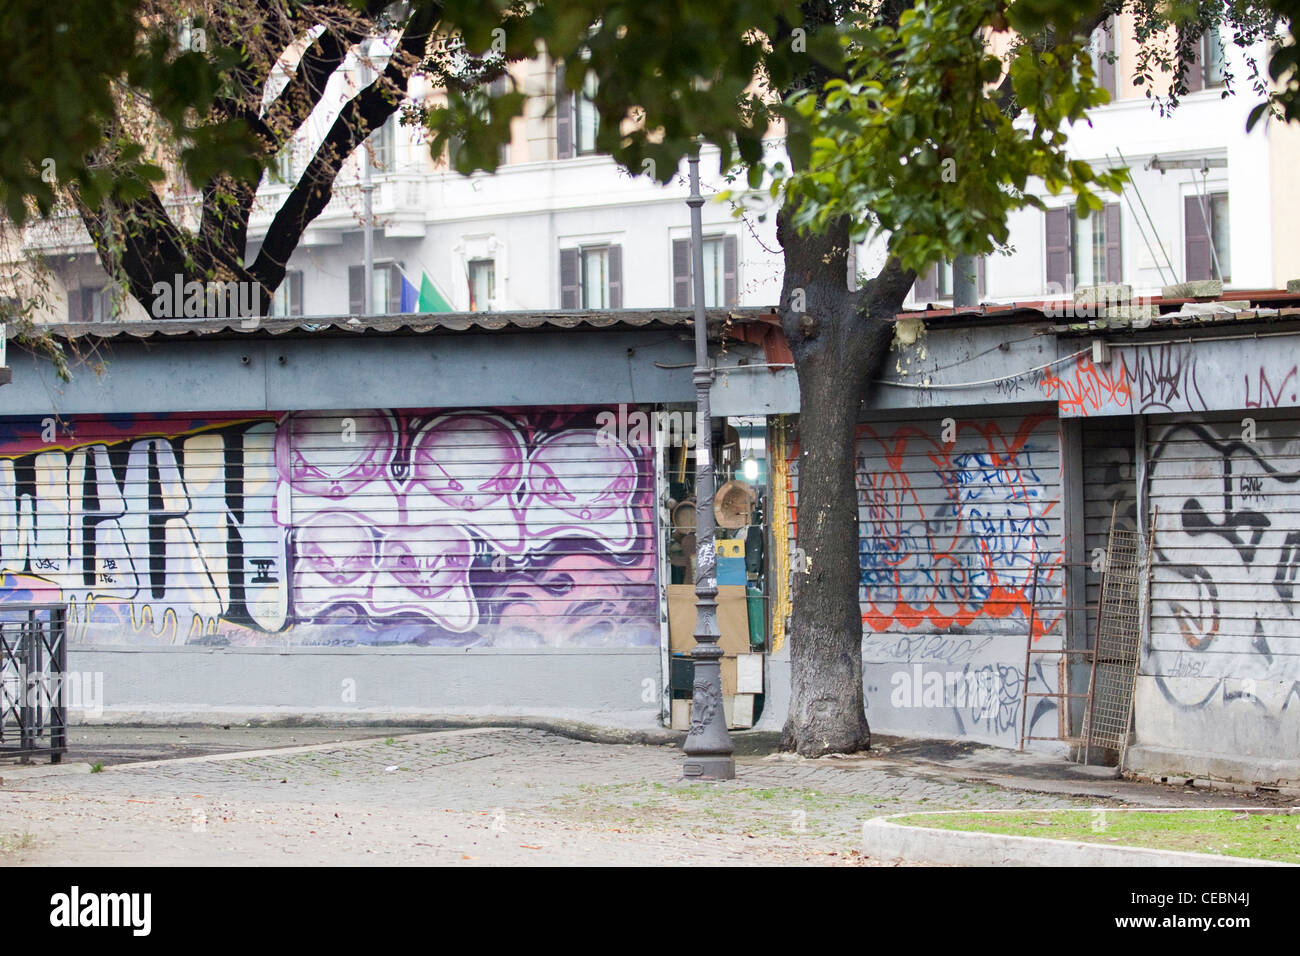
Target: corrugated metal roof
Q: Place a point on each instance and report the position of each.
(1262, 305)
(406, 324)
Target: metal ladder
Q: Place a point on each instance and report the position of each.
(1061, 694)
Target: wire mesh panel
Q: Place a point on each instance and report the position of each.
(33, 662)
(1119, 634)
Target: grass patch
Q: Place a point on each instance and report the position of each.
(1262, 836)
(97, 767)
(16, 842)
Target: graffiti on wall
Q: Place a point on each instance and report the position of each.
(161, 536)
(1227, 554)
(510, 528)
(1172, 377)
(1160, 378)
(956, 685)
(952, 532)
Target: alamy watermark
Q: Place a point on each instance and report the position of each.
(74, 909)
(73, 690)
(1091, 302)
(980, 691)
(178, 299)
(638, 429)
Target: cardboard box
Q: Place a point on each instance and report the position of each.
(731, 571)
(749, 674)
(733, 619)
(738, 710)
(730, 547)
(681, 718)
(728, 667)
(742, 712)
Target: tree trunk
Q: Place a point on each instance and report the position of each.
(840, 339)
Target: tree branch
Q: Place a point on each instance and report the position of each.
(368, 110)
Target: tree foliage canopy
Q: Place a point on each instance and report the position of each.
(921, 139)
(942, 121)
(64, 67)
(670, 73)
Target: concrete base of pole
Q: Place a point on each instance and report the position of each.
(709, 768)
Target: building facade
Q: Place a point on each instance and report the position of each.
(560, 226)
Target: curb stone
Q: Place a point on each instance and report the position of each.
(883, 839)
(574, 729)
(12, 774)
(325, 746)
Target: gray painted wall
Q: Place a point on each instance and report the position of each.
(429, 371)
(986, 365)
(362, 682)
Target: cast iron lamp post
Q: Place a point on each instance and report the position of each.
(708, 745)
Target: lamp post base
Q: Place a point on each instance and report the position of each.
(709, 768)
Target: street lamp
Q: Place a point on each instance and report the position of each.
(708, 745)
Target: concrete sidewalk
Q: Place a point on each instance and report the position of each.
(937, 760)
(321, 796)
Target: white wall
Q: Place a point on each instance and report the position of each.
(521, 216)
(435, 220)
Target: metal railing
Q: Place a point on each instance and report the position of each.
(33, 662)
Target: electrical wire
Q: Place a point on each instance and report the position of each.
(987, 381)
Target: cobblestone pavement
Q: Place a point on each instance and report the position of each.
(472, 797)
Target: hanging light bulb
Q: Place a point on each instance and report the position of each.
(750, 469)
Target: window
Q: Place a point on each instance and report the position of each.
(1088, 248)
(1209, 62)
(482, 284)
(382, 146)
(1083, 251)
(1102, 50)
(283, 169)
(720, 285)
(480, 103)
(576, 121)
(591, 277)
(386, 289)
(1215, 57)
(595, 278)
(937, 284)
(287, 300)
(587, 120)
(90, 305)
(943, 280)
(1207, 247)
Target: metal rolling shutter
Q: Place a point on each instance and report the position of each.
(489, 527)
(1109, 478)
(154, 530)
(1226, 554)
(502, 527)
(949, 532)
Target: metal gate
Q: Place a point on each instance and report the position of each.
(1116, 652)
(33, 662)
